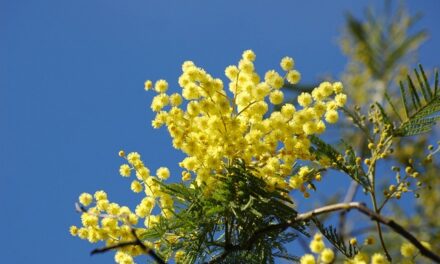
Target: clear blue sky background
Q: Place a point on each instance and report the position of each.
(71, 93)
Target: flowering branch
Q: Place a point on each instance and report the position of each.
(374, 216)
(136, 242)
(329, 209)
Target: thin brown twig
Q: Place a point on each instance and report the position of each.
(377, 217)
(329, 209)
(379, 228)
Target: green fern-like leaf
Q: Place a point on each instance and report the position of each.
(348, 166)
(421, 102)
(336, 239)
(385, 117)
(382, 43)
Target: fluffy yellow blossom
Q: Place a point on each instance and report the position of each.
(287, 63)
(317, 244)
(304, 99)
(89, 219)
(102, 204)
(276, 97)
(136, 186)
(338, 87)
(310, 128)
(159, 102)
(327, 255)
(231, 72)
(123, 258)
(360, 258)
(246, 66)
(186, 65)
(274, 79)
(148, 85)
(83, 233)
(142, 173)
(73, 230)
(293, 77)
(341, 99)
(85, 199)
(175, 99)
(113, 209)
(163, 173)
(161, 86)
(307, 259)
(353, 241)
(408, 250)
(288, 110)
(320, 127)
(125, 170)
(133, 157)
(100, 195)
(378, 258)
(326, 88)
(249, 55)
(331, 116)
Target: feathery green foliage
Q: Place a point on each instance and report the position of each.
(336, 239)
(383, 39)
(236, 217)
(421, 102)
(347, 165)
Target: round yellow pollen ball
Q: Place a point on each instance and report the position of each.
(276, 97)
(163, 173)
(327, 256)
(307, 259)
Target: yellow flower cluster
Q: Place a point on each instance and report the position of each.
(326, 255)
(317, 246)
(409, 251)
(110, 222)
(215, 126)
(106, 221)
(363, 258)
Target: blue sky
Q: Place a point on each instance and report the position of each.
(71, 93)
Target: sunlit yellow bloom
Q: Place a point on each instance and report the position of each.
(85, 199)
(249, 55)
(125, 170)
(163, 173)
(136, 186)
(161, 86)
(293, 77)
(276, 97)
(307, 259)
(378, 258)
(327, 256)
(287, 63)
(331, 116)
(73, 230)
(148, 85)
